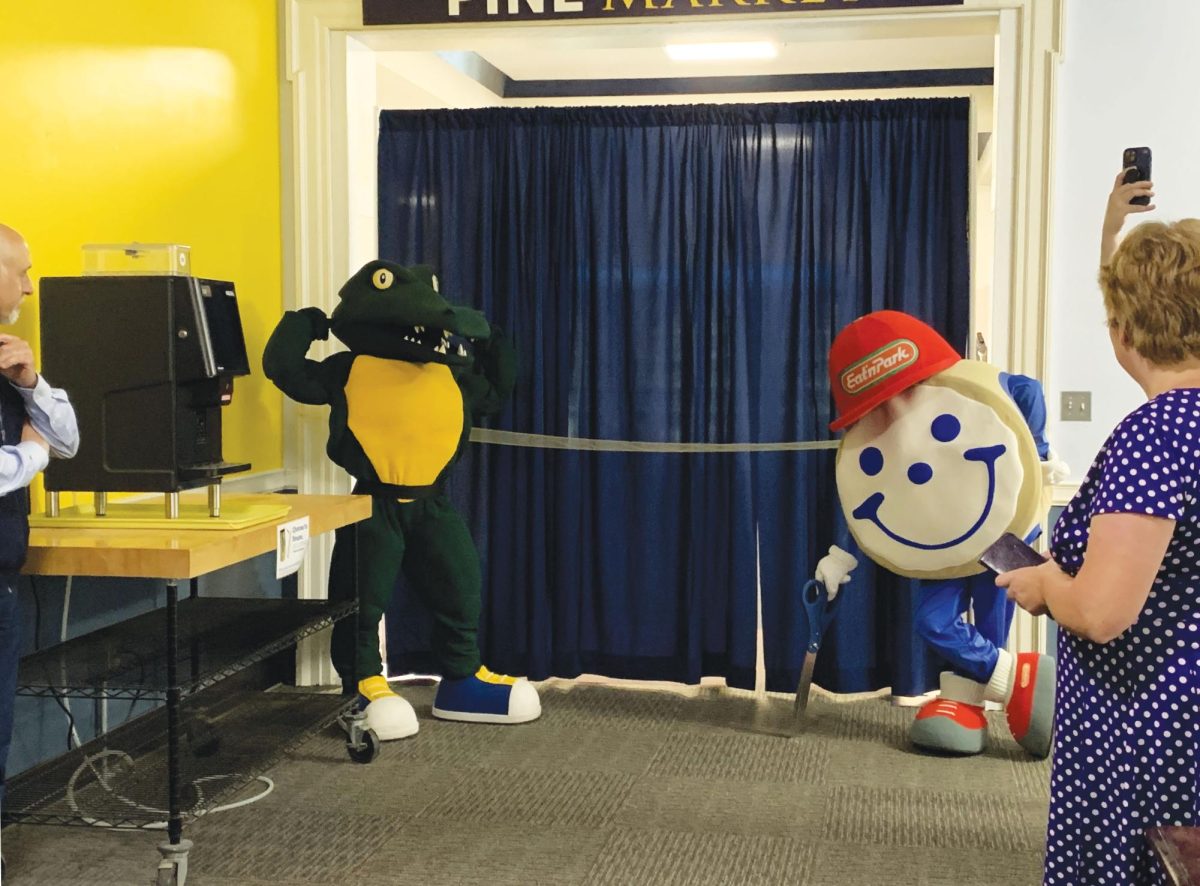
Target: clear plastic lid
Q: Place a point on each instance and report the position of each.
(136, 258)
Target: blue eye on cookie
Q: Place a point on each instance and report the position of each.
(945, 428)
(871, 461)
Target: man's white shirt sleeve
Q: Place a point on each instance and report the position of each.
(19, 464)
(51, 414)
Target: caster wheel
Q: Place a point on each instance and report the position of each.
(173, 867)
(367, 748)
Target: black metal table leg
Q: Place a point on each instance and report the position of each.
(172, 870)
(174, 695)
(194, 675)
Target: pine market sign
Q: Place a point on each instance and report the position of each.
(423, 12)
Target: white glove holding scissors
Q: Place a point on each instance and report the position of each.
(833, 570)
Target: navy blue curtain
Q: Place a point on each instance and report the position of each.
(675, 275)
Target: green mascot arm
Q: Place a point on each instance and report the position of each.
(492, 379)
(284, 360)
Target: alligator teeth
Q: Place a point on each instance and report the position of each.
(419, 328)
(462, 352)
(441, 349)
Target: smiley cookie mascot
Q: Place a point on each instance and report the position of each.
(940, 458)
(402, 400)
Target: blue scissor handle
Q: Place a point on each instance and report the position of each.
(820, 610)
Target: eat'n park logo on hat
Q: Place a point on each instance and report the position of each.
(877, 366)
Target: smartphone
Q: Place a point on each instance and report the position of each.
(1010, 553)
(1139, 160)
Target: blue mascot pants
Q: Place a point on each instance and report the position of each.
(970, 649)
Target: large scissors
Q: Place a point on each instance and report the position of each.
(820, 611)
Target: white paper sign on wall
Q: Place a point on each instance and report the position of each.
(291, 543)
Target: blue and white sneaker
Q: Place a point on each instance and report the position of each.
(487, 698)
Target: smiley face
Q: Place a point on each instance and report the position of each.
(945, 428)
(933, 476)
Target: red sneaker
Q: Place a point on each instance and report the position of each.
(950, 727)
(1030, 709)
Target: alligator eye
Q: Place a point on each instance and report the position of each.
(382, 278)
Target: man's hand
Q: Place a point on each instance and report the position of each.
(833, 570)
(30, 434)
(1118, 208)
(16, 361)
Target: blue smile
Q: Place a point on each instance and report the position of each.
(869, 509)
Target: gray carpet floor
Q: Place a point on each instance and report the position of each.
(613, 786)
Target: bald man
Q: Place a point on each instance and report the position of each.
(36, 421)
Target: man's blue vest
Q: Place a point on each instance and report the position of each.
(14, 507)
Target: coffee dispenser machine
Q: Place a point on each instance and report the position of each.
(148, 362)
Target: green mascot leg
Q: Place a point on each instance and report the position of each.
(355, 643)
(380, 552)
(441, 565)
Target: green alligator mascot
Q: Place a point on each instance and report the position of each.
(401, 400)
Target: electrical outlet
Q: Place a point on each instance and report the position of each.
(1076, 406)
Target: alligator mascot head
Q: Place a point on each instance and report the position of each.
(397, 313)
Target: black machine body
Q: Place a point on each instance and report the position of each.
(148, 362)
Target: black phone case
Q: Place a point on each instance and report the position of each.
(1139, 158)
(1009, 553)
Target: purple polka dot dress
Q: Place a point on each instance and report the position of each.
(1126, 711)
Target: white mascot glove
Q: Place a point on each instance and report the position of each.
(833, 570)
(1054, 469)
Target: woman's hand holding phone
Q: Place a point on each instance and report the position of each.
(1022, 571)
(1120, 200)
(1120, 206)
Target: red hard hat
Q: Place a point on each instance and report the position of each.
(878, 356)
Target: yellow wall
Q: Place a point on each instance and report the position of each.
(157, 122)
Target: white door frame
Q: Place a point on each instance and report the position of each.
(314, 105)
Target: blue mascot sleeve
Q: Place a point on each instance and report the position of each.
(1027, 394)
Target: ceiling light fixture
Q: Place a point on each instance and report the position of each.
(705, 52)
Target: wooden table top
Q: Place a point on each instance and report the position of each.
(181, 553)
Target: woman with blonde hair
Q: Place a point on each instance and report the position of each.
(1123, 581)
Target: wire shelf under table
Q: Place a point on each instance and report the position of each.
(218, 637)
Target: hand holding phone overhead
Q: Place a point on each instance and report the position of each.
(1131, 193)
